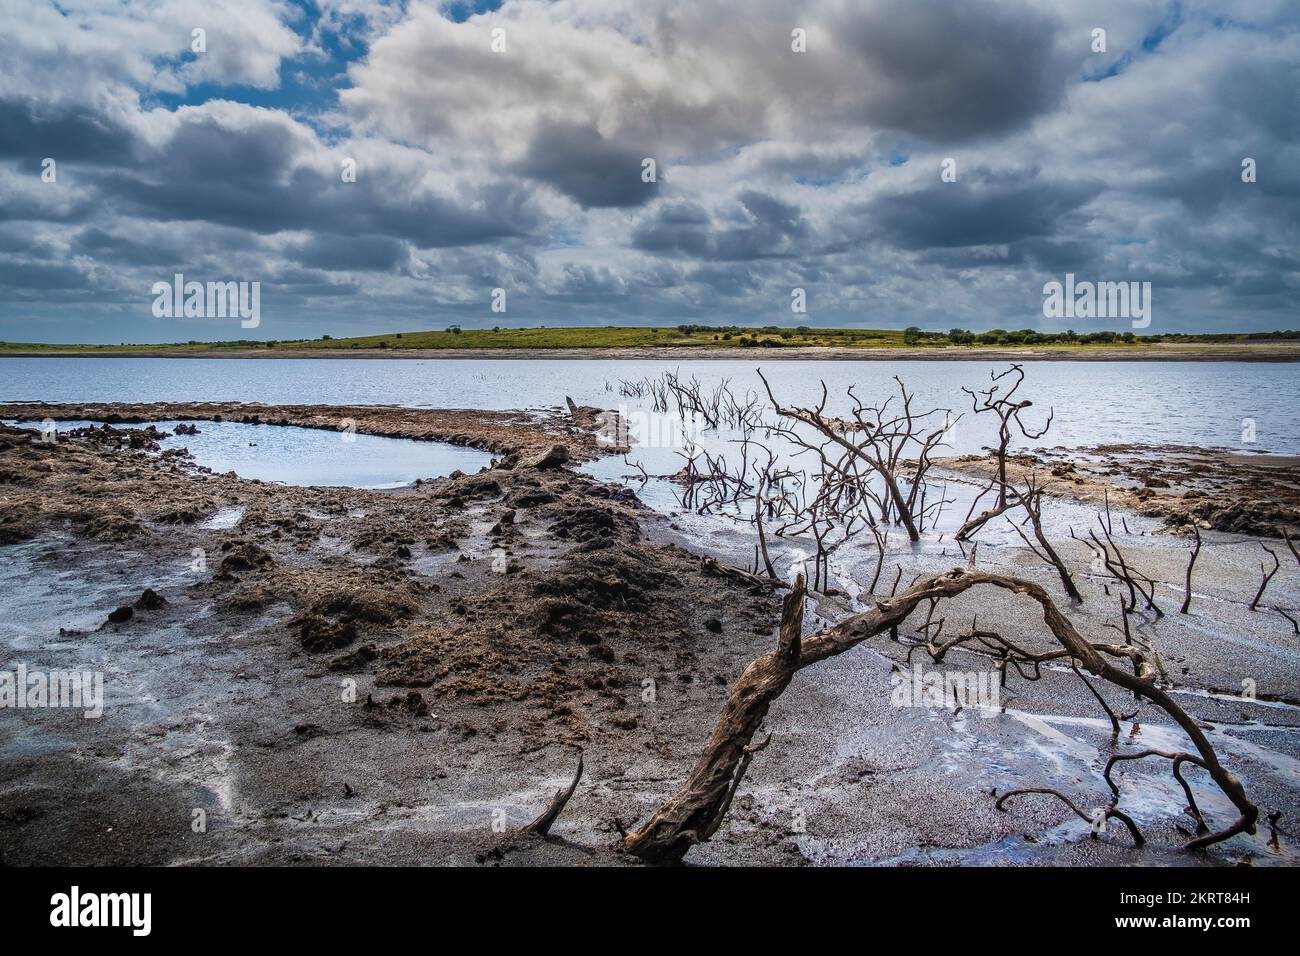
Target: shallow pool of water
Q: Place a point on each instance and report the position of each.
(290, 455)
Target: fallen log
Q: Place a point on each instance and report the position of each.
(692, 814)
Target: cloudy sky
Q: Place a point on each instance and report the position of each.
(522, 168)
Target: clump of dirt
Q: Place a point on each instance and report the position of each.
(375, 606)
(187, 514)
(15, 526)
(241, 556)
(149, 600)
(319, 634)
(589, 597)
(592, 523)
(354, 660)
(471, 487)
(113, 527)
(146, 439)
(121, 615)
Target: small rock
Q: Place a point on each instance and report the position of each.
(557, 456)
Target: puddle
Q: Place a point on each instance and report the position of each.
(290, 455)
(223, 519)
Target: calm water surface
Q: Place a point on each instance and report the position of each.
(1192, 403)
(310, 456)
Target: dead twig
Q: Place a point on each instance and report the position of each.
(1187, 595)
(1268, 575)
(542, 825)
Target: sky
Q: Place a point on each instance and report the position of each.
(903, 162)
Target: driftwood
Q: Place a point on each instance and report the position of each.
(716, 569)
(542, 825)
(695, 811)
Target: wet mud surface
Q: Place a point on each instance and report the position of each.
(342, 676)
(1255, 494)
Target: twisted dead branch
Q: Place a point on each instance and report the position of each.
(880, 437)
(1008, 411)
(695, 811)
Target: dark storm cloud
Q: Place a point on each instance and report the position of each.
(953, 71)
(346, 253)
(680, 228)
(54, 279)
(586, 167)
(766, 227)
(730, 281)
(975, 211)
(126, 250)
(247, 178)
(33, 131)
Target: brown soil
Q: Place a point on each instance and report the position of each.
(512, 433)
(489, 615)
(1246, 494)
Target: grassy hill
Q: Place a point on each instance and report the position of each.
(710, 337)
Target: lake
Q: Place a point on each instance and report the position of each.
(1188, 403)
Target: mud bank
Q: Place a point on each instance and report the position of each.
(336, 676)
(1257, 494)
(520, 434)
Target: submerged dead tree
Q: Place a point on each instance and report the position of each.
(696, 811)
(1007, 409)
(877, 436)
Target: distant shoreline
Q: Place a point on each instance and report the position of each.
(1164, 352)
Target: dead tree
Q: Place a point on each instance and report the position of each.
(695, 812)
(1031, 500)
(1123, 572)
(542, 825)
(1008, 411)
(1291, 544)
(876, 436)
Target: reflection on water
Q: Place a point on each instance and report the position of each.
(309, 456)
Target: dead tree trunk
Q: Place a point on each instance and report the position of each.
(697, 810)
(694, 812)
